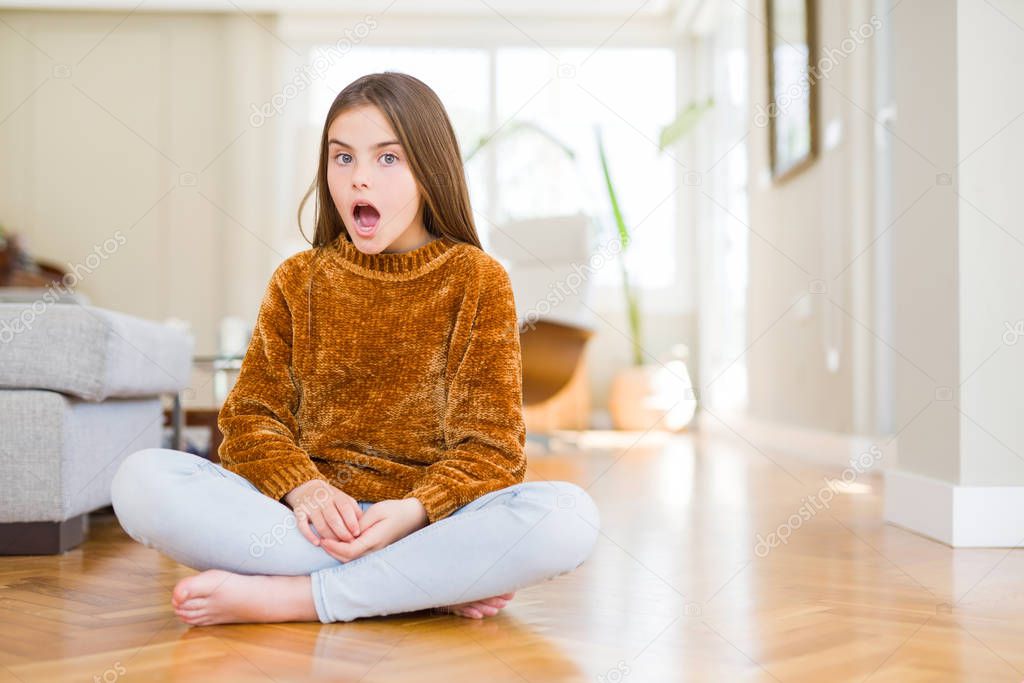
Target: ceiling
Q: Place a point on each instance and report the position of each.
(511, 8)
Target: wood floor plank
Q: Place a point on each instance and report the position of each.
(677, 589)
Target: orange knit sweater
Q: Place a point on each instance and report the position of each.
(390, 375)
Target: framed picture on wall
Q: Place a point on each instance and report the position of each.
(792, 111)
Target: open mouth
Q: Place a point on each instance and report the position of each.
(366, 215)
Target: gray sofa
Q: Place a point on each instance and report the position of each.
(80, 389)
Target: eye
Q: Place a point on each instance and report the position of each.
(343, 154)
(390, 154)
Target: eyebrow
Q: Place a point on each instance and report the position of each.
(332, 141)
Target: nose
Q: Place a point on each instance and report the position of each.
(360, 175)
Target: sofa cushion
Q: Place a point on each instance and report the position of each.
(90, 352)
(58, 454)
(19, 295)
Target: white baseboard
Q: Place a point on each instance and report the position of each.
(815, 445)
(959, 516)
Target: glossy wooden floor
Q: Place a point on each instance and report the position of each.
(678, 589)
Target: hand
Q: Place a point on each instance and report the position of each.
(383, 523)
(335, 514)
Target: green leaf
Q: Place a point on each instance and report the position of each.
(620, 222)
(684, 124)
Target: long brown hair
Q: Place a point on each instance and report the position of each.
(421, 123)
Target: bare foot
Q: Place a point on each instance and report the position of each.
(220, 597)
(478, 609)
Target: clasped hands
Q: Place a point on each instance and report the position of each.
(345, 530)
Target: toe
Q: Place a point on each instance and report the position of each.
(193, 603)
(495, 602)
(180, 593)
(190, 617)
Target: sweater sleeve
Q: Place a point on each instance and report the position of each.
(258, 416)
(484, 430)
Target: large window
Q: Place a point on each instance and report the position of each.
(535, 178)
(538, 110)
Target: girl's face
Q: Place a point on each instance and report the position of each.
(372, 186)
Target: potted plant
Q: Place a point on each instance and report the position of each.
(644, 393)
(656, 391)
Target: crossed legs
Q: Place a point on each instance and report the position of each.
(258, 566)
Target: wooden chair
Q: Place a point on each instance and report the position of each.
(556, 392)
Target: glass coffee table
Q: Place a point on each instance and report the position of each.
(223, 368)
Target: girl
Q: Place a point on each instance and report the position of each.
(373, 459)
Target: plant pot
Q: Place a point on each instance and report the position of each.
(652, 396)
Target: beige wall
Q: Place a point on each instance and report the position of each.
(128, 132)
(810, 227)
(924, 145)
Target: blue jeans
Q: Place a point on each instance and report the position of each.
(207, 517)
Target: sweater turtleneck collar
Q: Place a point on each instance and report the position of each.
(402, 264)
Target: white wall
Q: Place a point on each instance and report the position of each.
(957, 282)
(812, 227)
(990, 131)
(924, 146)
